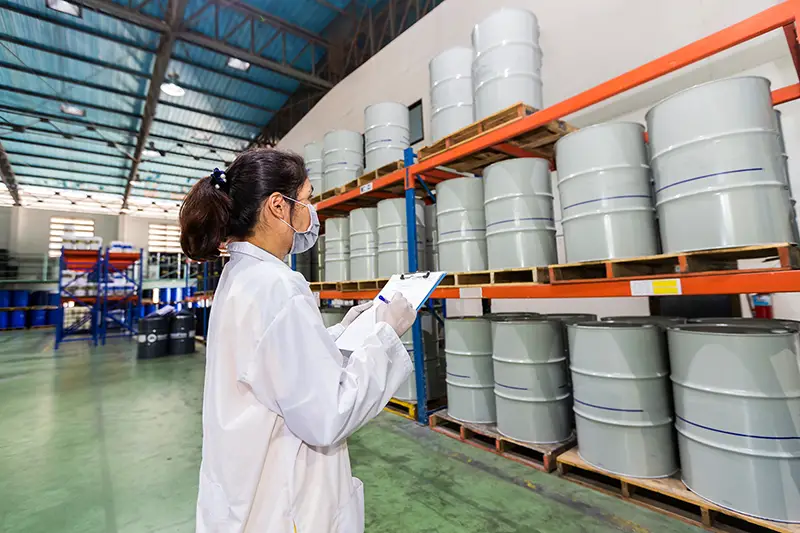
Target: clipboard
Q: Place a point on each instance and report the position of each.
(416, 287)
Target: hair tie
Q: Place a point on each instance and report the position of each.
(219, 181)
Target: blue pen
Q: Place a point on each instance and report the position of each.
(381, 298)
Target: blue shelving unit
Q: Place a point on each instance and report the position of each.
(88, 265)
(121, 305)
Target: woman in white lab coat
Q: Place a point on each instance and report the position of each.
(279, 398)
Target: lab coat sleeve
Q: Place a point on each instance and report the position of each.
(336, 331)
(298, 370)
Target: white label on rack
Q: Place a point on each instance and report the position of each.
(470, 292)
(656, 287)
(366, 188)
(316, 298)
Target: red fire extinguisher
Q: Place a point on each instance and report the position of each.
(761, 305)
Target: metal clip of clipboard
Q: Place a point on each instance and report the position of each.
(424, 275)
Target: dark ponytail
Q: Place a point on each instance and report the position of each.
(227, 206)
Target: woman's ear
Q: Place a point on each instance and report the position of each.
(274, 207)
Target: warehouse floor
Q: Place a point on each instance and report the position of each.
(93, 441)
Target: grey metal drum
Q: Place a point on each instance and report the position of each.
(604, 187)
(342, 158)
(518, 204)
(312, 156)
(507, 65)
(431, 238)
(719, 174)
(386, 134)
(530, 374)
(661, 321)
(451, 91)
(470, 375)
(364, 243)
(337, 249)
(785, 158)
(737, 407)
(434, 372)
(623, 410)
(393, 237)
(773, 323)
(462, 225)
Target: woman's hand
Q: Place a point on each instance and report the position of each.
(353, 313)
(398, 313)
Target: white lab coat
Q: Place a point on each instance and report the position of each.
(279, 402)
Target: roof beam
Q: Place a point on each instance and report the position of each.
(8, 176)
(272, 20)
(175, 13)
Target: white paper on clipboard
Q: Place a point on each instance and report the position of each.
(416, 288)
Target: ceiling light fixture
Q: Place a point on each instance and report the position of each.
(200, 136)
(238, 64)
(62, 6)
(149, 152)
(72, 110)
(171, 87)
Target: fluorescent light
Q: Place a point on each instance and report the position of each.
(72, 110)
(62, 6)
(200, 136)
(238, 64)
(149, 152)
(172, 89)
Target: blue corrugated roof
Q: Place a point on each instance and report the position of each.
(103, 65)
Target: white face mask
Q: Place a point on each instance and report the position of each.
(304, 240)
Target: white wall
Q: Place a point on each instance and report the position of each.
(5, 226)
(30, 228)
(585, 43)
(136, 230)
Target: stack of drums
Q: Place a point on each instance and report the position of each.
(153, 340)
(791, 325)
(451, 91)
(363, 243)
(720, 180)
(530, 373)
(312, 155)
(604, 185)
(623, 409)
(434, 373)
(470, 374)
(337, 249)
(342, 158)
(431, 238)
(393, 237)
(332, 315)
(386, 133)
(461, 224)
(737, 404)
(518, 204)
(319, 250)
(507, 65)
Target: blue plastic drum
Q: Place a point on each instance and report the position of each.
(173, 294)
(163, 296)
(52, 317)
(18, 319)
(5, 299)
(3, 319)
(53, 299)
(20, 299)
(38, 317)
(149, 308)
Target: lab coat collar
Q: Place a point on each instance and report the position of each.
(246, 248)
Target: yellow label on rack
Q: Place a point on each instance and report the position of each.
(656, 287)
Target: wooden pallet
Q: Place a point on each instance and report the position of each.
(668, 495)
(362, 181)
(363, 285)
(496, 277)
(408, 408)
(540, 142)
(317, 286)
(666, 265)
(485, 436)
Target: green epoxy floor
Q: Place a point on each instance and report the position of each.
(92, 441)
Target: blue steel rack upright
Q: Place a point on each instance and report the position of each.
(129, 266)
(89, 264)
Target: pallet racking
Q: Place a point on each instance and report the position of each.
(513, 139)
(127, 266)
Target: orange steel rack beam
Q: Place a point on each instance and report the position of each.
(691, 284)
